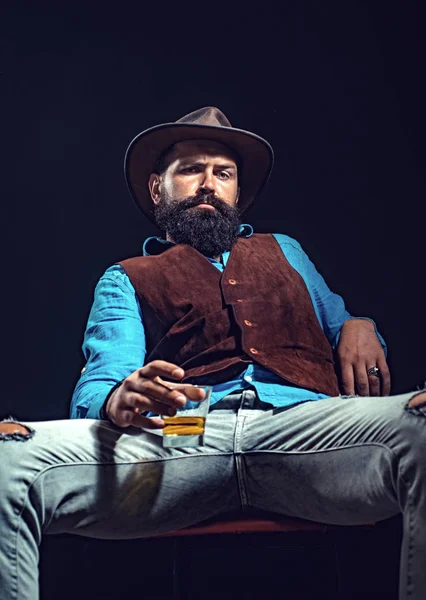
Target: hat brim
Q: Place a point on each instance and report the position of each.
(146, 148)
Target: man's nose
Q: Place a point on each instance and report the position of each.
(207, 184)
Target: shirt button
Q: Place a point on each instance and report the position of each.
(248, 378)
(248, 323)
(254, 351)
(232, 281)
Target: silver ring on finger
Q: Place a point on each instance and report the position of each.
(373, 372)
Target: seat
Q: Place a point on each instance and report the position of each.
(283, 530)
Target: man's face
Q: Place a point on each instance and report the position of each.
(196, 197)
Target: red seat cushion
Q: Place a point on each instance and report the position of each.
(248, 525)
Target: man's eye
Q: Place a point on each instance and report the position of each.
(189, 170)
(224, 175)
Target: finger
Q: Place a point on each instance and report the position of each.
(141, 404)
(156, 391)
(162, 368)
(190, 391)
(362, 383)
(347, 376)
(374, 382)
(385, 376)
(127, 418)
(146, 422)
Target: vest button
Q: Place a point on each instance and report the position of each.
(239, 300)
(232, 281)
(248, 323)
(254, 351)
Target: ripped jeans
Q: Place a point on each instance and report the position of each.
(339, 461)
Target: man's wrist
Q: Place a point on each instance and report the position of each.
(358, 320)
(103, 411)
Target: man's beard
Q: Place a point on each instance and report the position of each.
(211, 232)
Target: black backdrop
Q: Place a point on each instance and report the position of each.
(336, 88)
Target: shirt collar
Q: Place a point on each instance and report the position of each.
(155, 245)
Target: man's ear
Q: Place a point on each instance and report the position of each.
(237, 196)
(154, 185)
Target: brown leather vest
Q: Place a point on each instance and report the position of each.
(214, 324)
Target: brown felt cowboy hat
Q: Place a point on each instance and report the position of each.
(207, 123)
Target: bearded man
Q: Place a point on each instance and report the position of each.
(301, 422)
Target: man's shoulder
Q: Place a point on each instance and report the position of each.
(287, 243)
(113, 277)
(132, 260)
(281, 238)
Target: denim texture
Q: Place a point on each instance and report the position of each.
(341, 461)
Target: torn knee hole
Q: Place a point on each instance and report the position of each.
(418, 400)
(11, 430)
(417, 404)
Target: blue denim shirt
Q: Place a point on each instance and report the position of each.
(114, 341)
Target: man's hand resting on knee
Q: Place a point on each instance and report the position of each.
(359, 349)
(145, 391)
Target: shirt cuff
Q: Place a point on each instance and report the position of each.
(94, 410)
(97, 406)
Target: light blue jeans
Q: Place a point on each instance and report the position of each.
(340, 460)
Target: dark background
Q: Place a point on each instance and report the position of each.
(337, 88)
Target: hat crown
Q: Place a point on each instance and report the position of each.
(209, 115)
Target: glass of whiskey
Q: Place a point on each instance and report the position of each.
(187, 427)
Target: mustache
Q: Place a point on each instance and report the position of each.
(202, 198)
